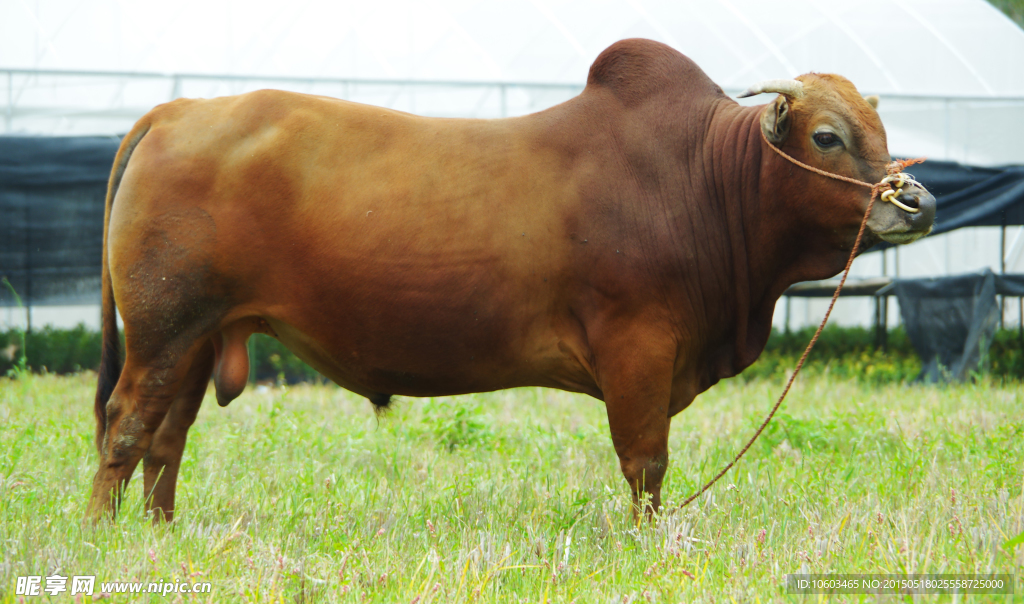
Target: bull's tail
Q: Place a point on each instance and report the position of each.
(110, 356)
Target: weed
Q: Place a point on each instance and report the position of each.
(456, 424)
(19, 369)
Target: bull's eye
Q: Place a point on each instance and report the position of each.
(827, 139)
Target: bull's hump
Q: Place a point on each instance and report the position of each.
(637, 69)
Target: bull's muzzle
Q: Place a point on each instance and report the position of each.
(908, 215)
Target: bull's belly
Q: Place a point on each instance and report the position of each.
(374, 367)
(396, 351)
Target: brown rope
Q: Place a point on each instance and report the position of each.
(893, 168)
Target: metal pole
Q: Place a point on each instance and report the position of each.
(1020, 321)
(896, 277)
(1002, 247)
(947, 128)
(1002, 269)
(28, 267)
(9, 118)
(885, 322)
(883, 303)
(878, 322)
(789, 300)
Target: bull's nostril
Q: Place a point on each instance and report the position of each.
(912, 201)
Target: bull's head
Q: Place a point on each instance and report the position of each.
(823, 121)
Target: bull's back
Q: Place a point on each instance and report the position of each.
(393, 252)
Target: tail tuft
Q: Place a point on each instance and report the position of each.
(381, 404)
(109, 374)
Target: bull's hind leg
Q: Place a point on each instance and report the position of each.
(140, 402)
(161, 261)
(162, 461)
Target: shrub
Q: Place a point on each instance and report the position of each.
(51, 350)
(843, 352)
(270, 360)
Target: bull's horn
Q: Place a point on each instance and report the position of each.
(793, 88)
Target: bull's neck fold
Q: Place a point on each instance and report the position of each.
(765, 249)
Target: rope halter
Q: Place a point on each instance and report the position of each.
(890, 187)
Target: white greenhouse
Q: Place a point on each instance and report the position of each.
(950, 74)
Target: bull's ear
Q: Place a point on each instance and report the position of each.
(873, 101)
(775, 121)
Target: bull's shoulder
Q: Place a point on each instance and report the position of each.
(637, 69)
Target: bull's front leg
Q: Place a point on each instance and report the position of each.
(636, 380)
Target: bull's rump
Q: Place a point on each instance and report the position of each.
(394, 253)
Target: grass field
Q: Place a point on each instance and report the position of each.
(301, 495)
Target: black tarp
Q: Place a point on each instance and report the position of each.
(52, 191)
(950, 322)
(971, 196)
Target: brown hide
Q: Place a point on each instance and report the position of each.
(630, 244)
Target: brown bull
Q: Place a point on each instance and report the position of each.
(629, 244)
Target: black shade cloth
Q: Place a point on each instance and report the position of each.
(951, 321)
(971, 196)
(52, 194)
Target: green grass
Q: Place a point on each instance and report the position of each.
(301, 495)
